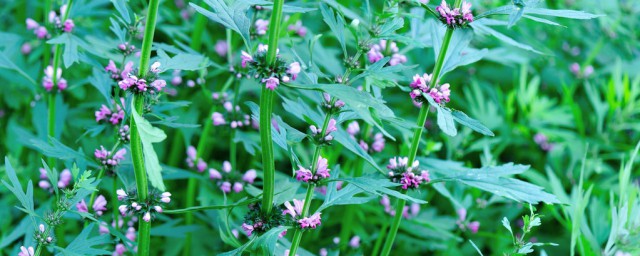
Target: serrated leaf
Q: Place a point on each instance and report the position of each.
(71, 43)
(148, 136)
(389, 27)
(467, 121)
(84, 245)
(379, 187)
(121, 7)
(52, 175)
(26, 199)
(182, 61)
(233, 17)
(103, 83)
(491, 179)
(445, 122)
(58, 150)
(5, 62)
(336, 23)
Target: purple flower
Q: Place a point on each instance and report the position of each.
(249, 176)
(221, 48)
(226, 166)
(303, 174)
(378, 142)
(322, 168)
(41, 32)
(201, 166)
(24, 251)
(26, 48)
(31, 24)
(294, 69)
(238, 187)
(121, 194)
(246, 58)
(455, 17)
(261, 26)
(103, 113)
(119, 250)
(65, 178)
(298, 28)
(146, 217)
(68, 26)
(165, 197)
(473, 226)
(310, 222)
(353, 128)
(354, 242)
(248, 229)
(271, 83)
(82, 206)
(155, 67)
(218, 119)
(99, 205)
(214, 174)
(295, 209)
(225, 187)
(159, 84)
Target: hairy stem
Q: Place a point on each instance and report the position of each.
(415, 142)
(266, 109)
(142, 184)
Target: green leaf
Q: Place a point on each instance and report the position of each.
(445, 122)
(172, 230)
(569, 14)
(84, 245)
(58, 150)
(71, 43)
(483, 27)
(467, 121)
(26, 199)
(121, 7)
(380, 186)
(101, 81)
(389, 27)
(182, 61)
(268, 240)
(476, 247)
(148, 136)
(233, 17)
(5, 62)
(344, 196)
(336, 23)
(507, 225)
(52, 175)
(381, 76)
(491, 179)
(458, 53)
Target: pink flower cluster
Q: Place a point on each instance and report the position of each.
(140, 85)
(457, 17)
(24, 251)
(577, 71)
(337, 105)
(261, 26)
(543, 142)
(408, 212)
(401, 172)
(142, 208)
(40, 31)
(232, 111)
(126, 49)
(377, 142)
(295, 211)
(114, 116)
(117, 74)
(422, 84)
(463, 224)
(377, 52)
(48, 80)
(64, 180)
(99, 205)
(272, 80)
(298, 28)
(55, 19)
(226, 178)
(200, 164)
(324, 136)
(107, 159)
(321, 172)
(221, 48)
(131, 234)
(125, 135)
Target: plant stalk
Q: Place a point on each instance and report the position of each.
(266, 110)
(142, 184)
(415, 142)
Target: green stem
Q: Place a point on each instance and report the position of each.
(198, 30)
(144, 228)
(381, 236)
(297, 236)
(266, 110)
(415, 142)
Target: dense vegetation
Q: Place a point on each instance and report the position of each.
(401, 127)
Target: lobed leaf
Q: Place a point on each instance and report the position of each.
(148, 136)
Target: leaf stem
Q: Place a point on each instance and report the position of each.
(142, 184)
(415, 142)
(266, 110)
